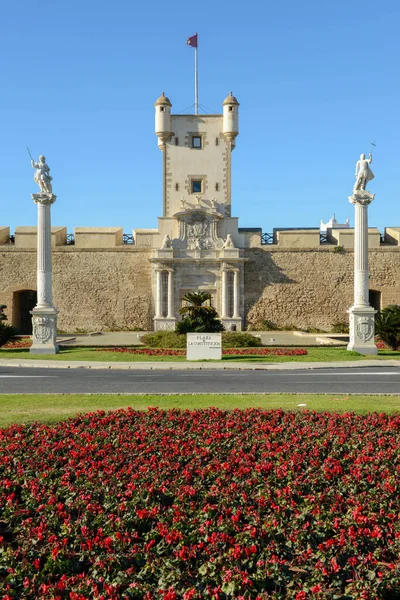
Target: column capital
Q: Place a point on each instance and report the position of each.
(43, 198)
(362, 197)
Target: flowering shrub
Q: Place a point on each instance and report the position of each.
(203, 504)
(239, 339)
(231, 351)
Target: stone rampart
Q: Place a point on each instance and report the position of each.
(110, 288)
(314, 287)
(104, 289)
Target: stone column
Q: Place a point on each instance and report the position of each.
(44, 315)
(236, 294)
(170, 314)
(158, 294)
(362, 315)
(224, 294)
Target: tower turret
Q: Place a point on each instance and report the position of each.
(163, 119)
(231, 119)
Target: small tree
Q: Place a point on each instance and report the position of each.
(198, 316)
(7, 332)
(387, 325)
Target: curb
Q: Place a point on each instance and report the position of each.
(196, 366)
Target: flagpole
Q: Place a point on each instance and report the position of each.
(196, 83)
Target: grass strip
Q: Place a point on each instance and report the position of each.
(50, 408)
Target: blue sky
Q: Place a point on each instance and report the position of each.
(316, 82)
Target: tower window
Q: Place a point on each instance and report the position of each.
(176, 141)
(177, 187)
(196, 186)
(196, 141)
(217, 141)
(231, 109)
(217, 187)
(162, 108)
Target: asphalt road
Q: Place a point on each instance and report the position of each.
(375, 380)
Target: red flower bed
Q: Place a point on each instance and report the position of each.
(382, 345)
(21, 342)
(146, 351)
(267, 351)
(204, 504)
(230, 351)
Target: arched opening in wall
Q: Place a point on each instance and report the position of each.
(23, 302)
(375, 299)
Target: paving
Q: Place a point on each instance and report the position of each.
(99, 339)
(278, 338)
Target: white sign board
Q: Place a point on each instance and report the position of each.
(203, 346)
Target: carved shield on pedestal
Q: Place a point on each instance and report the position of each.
(364, 329)
(41, 330)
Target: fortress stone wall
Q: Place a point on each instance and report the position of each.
(313, 287)
(110, 287)
(93, 289)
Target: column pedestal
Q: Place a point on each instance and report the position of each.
(362, 328)
(362, 315)
(44, 315)
(44, 331)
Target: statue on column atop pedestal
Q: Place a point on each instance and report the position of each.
(362, 315)
(44, 314)
(363, 173)
(42, 175)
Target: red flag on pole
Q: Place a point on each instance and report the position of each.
(192, 41)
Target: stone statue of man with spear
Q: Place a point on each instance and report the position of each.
(363, 172)
(42, 174)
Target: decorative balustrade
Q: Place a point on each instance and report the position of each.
(267, 238)
(128, 238)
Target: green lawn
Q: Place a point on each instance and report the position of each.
(49, 408)
(315, 354)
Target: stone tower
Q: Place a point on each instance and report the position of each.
(196, 156)
(197, 245)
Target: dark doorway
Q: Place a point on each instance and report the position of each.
(23, 302)
(375, 299)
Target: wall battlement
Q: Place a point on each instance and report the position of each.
(250, 237)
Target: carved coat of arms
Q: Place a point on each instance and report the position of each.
(42, 331)
(364, 329)
(198, 235)
(199, 231)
